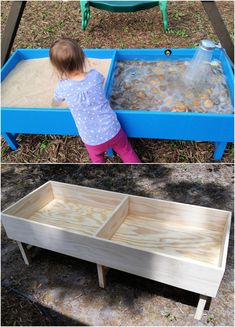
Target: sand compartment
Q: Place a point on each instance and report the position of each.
(32, 82)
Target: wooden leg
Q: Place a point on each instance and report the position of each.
(24, 252)
(200, 307)
(11, 140)
(102, 272)
(219, 150)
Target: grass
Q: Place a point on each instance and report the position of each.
(61, 23)
(126, 29)
(182, 157)
(28, 45)
(48, 29)
(43, 145)
(210, 319)
(197, 15)
(193, 45)
(178, 15)
(51, 29)
(99, 25)
(181, 32)
(4, 151)
(121, 44)
(154, 38)
(88, 39)
(232, 150)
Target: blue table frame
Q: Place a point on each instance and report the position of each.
(218, 128)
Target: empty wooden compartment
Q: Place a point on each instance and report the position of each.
(68, 207)
(184, 231)
(178, 244)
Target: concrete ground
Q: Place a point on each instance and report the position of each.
(64, 291)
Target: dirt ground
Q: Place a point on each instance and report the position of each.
(43, 22)
(57, 290)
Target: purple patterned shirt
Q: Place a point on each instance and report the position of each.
(93, 116)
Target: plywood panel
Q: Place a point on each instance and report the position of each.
(175, 213)
(88, 196)
(32, 82)
(32, 201)
(181, 241)
(225, 241)
(71, 216)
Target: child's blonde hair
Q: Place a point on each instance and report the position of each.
(67, 56)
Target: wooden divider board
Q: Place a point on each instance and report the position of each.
(32, 82)
(117, 234)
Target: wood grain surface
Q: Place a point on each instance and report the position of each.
(185, 241)
(88, 196)
(175, 213)
(115, 220)
(71, 216)
(32, 202)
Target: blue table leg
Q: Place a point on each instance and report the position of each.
(110, 152)
(11, 140)
(219, 150)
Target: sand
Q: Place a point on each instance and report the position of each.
(32, 82)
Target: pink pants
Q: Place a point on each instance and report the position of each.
(119, 144)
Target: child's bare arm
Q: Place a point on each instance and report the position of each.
(55, 103)
(58, 97)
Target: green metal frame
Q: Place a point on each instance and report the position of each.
(122, 6)
(85, 9)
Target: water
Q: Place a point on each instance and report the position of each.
(161, 86)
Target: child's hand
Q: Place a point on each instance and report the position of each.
(55, 103)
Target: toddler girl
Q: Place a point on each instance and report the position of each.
(96, 121)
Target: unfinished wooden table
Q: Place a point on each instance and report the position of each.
(173, 243)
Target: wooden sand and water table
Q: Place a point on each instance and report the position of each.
(173, 243)
(143, 87)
